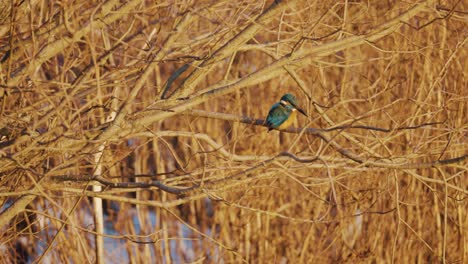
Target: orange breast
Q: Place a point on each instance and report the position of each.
(289, 121)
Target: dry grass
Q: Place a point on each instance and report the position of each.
(80, 79)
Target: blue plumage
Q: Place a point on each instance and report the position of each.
(278, 114)
(283, 113)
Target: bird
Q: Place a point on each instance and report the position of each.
(283, 113)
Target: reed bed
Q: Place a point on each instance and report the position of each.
(155, 111)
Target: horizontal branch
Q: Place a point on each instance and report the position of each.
(261, 122)
(212, 184)
(321, 133)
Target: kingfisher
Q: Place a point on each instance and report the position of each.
(283, 113)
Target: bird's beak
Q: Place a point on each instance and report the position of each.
(302, 111)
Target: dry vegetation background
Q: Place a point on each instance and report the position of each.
(157, 108)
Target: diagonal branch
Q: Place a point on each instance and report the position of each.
(59, 45)
(296, 59)
(229, 48)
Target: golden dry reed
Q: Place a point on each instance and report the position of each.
(161, 105)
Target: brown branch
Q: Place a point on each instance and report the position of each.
(262, 122)
(188, 84)
(343, 151)
(247, 172)
(446, 16)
